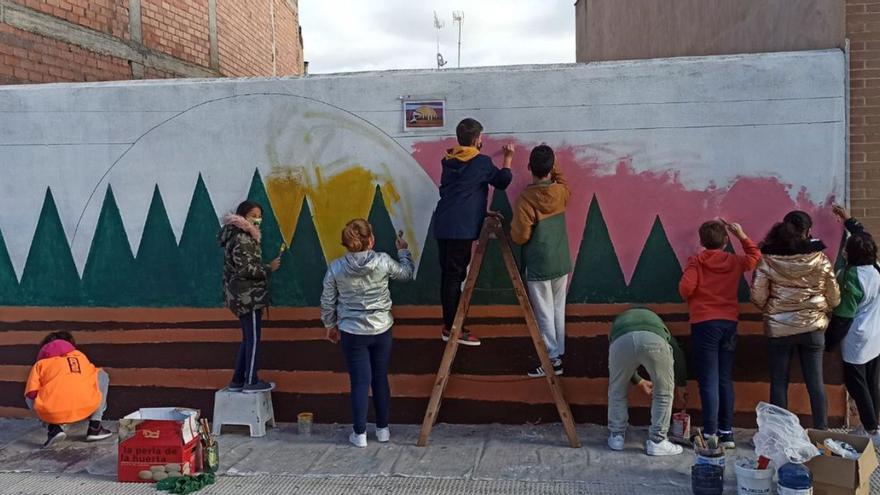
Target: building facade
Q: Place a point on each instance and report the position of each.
(101, 40)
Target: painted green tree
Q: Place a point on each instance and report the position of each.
(9, 292)
(597, 275)
(109, 274)
(271, 238)
(299, 281)
(658, 272)
(743, 292)
(161, 278)
(50, 277)
(202, 256)
(383, 229)
(493, 284)
(425, 289)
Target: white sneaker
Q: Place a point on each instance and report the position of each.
(615, 441)
(663, 448)
(383, 435)
(875, 439)
(358, 440)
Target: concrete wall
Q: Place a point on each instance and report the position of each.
(113, 194)
(83, 40)
(639, 29)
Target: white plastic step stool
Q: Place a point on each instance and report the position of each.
(238, 408)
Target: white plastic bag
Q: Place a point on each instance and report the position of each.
(780, 436)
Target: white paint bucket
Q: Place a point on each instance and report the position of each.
(753, 481)
(714, 457)
(781, 490)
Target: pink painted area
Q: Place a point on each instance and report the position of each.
(630, 200)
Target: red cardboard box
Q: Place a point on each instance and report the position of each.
(155, 443)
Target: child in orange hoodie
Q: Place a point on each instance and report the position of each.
(65, 387)
(709, 285)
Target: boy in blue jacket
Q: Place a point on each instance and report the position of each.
(458, 218)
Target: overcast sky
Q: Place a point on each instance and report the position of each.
(357, 35)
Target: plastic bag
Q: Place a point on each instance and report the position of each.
(781, 438)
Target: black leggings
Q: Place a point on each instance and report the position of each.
(861, 382)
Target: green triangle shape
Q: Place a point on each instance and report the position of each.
(110, 269)
(597, 276)
(743, 293)
(493, 284)
(50, 277)
(658, 272)
(10, 295)
(383, 229)
(271, 239)
(198, 246)
(425, 289)
(161, 277)
(299, 281)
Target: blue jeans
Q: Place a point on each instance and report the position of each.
(714, 343)
(367, 357)
(247, 363)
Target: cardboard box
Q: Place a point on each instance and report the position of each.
(839, 476)
(153, 441)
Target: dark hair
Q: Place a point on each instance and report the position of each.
(541, 160)
(713, 234)
(246, 206)
(791, 232)
(467, 131)
(861, 250)
(58, 336)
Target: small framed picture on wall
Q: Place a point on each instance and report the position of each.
(424, 114)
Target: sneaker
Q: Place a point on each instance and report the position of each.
(662, 448)
(615, 441)
(260, 386)
(358, 440)
(725, 439)
(235, 387)
(539, 371)
(56, 434)
(97, 434)
(465, 339)
(383, 435)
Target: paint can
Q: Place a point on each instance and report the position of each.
(751, 481)
(304, 423)
(707, 479)
(681, 425)
(711, 457)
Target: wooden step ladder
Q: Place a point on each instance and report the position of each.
(492, 230)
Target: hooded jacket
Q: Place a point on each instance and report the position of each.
(245, 277)
(539, 226)
(795, 288)
(63, 384)
(711, 281)
(464, 192)
(356, 298)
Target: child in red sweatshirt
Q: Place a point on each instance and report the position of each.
(709, 285)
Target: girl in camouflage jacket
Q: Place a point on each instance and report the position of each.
(245, 284)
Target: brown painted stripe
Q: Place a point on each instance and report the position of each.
(582, 391)
(15, 412)
(334, 408)
(585, 357)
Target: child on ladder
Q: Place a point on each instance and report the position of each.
(539, 226)
(458, 218)
(709, 285)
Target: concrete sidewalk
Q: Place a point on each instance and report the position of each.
(485, 459)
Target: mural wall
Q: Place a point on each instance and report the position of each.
(111, 193)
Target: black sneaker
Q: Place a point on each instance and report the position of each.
(539, 371)
(726, 440)
(95, 434)
(56, 434)
(465, 339)
(260, 386)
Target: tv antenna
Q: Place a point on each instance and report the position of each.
(458, 17)
(438, 25)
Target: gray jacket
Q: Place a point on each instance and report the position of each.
(356, 298)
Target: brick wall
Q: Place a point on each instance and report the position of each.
(29, 58)
(178, 28)
(176, 31)
(106, 16)
(863, 30)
